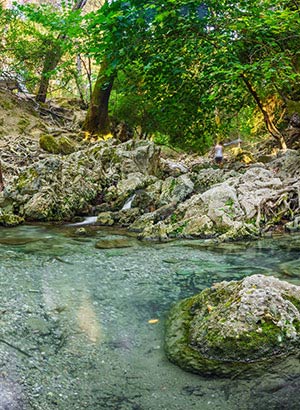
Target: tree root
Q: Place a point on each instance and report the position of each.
(284, 204)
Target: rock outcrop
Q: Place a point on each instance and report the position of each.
(59, 186)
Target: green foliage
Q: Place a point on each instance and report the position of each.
(192, 58)
(181, 66)
(33, 31)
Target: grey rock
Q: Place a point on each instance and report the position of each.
(235, 326)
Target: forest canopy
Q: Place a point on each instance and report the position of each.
(184, 72)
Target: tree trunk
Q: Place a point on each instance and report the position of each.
(268, 121)
(97, 120)
(1, 179)
(52, 59)
(79, 82)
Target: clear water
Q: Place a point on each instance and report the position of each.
(82, 328)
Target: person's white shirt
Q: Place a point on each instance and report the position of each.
(218, 151)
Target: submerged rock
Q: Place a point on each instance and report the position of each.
(235, 326)
(115, 243)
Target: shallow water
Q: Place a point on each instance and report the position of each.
(82, 328)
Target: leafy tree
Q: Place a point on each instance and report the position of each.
(38, 35)
(224, 56)
(197, 60)
(58, 45)
(189, 69)
(106, 28)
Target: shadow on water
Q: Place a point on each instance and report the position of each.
(83, 327)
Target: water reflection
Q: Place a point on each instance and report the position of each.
(91, 321)
(87, 320)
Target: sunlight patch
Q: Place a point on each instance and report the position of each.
(87, 321)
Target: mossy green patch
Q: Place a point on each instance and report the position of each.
(220, 331)
(23, 123)
(62, 145)
(49, 144)
(6, 105)
(10, 220)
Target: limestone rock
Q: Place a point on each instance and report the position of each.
(126, 217)
(206, 178)
(142, 156)
(287, 164)
(254, 187)
(176, 189)
(10, 219)
(130, 184)
(173, 168)
(216, 211)
(235, 326)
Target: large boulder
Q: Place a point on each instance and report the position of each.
(53, 188)
(255, 187)
(206, 178)
(235, 326)
(216, 212)
(175, 189)
(234, 209)
(141, 156)
(62, 145)
(287, 164)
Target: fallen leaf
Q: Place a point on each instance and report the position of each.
(153, 321)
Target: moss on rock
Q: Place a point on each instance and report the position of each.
(49, 144)
(10, 220)
(62, 145)
(235, 326)
(66, 146)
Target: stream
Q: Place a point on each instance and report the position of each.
(82, 327)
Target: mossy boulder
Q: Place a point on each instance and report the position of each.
(61, 145)
(106, 218)
(66, 146)
(10, 219)
(235, 326)
(49, 144)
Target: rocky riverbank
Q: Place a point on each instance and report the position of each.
(51, 173)
(135, 185)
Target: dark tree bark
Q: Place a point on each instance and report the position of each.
(52, 59)
(97, 119)
(1, 179)
(268, 121)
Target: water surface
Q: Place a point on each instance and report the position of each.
(82, 328)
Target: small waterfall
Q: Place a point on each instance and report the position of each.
(128, 203)
(89, 220)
